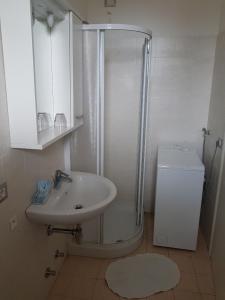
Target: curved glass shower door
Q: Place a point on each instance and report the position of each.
(122, 111)
(112, 140)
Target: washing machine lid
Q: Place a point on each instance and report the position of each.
(179, 157)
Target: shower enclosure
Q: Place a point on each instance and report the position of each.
(112, 142)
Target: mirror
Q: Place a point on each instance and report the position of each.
(52, 71)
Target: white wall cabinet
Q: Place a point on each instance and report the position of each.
(43, 70)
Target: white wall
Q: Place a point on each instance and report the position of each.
(26, 252)
(184, 38)
(165, 18)
(216, 125)
(80, 7)
(218, 249)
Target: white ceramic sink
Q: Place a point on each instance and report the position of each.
(87, 196)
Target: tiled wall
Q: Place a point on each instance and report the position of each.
(183, 44)
(26, 252)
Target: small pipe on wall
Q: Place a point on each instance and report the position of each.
(217, 198)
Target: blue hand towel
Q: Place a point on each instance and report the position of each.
(43, 190)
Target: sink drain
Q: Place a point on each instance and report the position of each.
(78, 206)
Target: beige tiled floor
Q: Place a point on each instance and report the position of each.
(82, 278)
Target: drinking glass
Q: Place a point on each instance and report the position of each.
(60, 121)
(42, 121)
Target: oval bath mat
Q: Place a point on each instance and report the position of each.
(142, 275)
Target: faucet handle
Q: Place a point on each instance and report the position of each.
(65, 174)
(61, 173)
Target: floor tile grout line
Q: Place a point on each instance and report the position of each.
(200, 289)
(147, 240)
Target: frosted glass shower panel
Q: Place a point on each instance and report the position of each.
(109, 141)
(123, 74)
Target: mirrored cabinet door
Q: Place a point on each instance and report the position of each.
(43, 73)
(52, 71)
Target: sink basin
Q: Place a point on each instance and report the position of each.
(86, 197)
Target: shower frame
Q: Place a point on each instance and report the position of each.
(100, 96)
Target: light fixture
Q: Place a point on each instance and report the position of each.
(110, 3)
(50, 20)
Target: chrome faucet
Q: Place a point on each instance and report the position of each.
(59, 176)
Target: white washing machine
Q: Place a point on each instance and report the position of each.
(180, 177)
